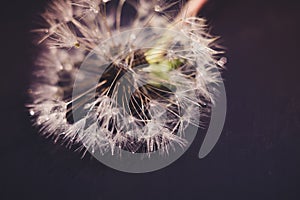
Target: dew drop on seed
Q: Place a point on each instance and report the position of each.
(77, 45)
(31, 112)
(157, 8)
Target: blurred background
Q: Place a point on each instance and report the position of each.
(257, 156)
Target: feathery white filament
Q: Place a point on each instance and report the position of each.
(155, 74)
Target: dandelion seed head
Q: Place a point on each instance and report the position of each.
(110, 85)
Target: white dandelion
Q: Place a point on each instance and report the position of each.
(122, 75)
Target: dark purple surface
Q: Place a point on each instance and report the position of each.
(257, 156)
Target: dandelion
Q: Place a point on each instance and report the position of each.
(110, 81)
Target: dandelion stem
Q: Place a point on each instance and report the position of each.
(191, 8)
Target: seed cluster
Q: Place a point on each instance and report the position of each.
(111, 82)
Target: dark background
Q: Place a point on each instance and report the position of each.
(257, 156)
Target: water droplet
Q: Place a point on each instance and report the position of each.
(157, 8)
(31, 112)
(77, 45)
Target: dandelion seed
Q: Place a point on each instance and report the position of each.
(111, 86)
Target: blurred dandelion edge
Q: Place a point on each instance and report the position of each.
(106, 85)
